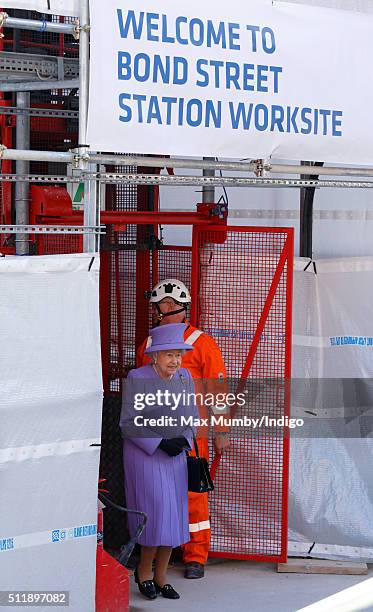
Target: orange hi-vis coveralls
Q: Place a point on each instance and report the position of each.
(206, 365)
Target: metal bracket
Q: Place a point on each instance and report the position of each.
(60, 69)
(78, 28)
(20, 66)
(39, 112)
(311, 261)
(76, 161)
(39, 85)
(28, 178)
(52, 229)
(176, 181)
(3, 17)
(262, 167)
(155, 243)
(219, 210)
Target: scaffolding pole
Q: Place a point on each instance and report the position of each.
(187, 163)
(208, 191)
(22, 189)
(307, 196)
(38, 156)
(39, 85)
(90, 244)
(36, 25)
(229, 166)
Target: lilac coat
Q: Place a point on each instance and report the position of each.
(156, 483)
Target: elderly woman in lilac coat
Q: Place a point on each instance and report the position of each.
(157, 425)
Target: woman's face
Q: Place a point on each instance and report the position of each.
(168, 362)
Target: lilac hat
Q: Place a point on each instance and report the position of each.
(168, 337)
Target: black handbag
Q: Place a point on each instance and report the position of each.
(199, 479)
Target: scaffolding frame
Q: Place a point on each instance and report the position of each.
(85, 161)
(186, 181)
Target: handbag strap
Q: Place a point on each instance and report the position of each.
(195, 444)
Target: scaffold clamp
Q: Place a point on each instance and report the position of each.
(78, 29)
(263, 166)
(3, 17)
(211, 210)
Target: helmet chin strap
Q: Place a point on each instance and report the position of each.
(162, 315)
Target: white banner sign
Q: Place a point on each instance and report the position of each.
(285, 80)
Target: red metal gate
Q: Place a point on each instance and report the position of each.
(242, 296)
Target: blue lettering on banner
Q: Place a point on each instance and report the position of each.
(130, 23)
(7, 544)
(267, 38)
(284, 119)
(221, 74)
(155, 28)
(81, 531)
(351, 341)
(85, 530)
(56, 535)
(142, 67)
(244, 335)
(165, 110)
(242, 77)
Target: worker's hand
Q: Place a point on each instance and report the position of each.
(221, 442)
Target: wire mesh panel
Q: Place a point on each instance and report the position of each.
(123, 248)
(59, 244)
(131, 273)
(6, 138)
(175, 262)
(122, 316)
(48, 133)
(53, 133)
(242, 291)
(5, 197)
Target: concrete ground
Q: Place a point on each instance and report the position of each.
(231, 586)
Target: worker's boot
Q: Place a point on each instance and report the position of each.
(194, 570)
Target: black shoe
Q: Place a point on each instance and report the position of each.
(167, 591)
(146, 588)
(194, 570)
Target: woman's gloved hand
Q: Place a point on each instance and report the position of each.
(174, 446)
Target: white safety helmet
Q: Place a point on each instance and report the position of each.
(173, 288)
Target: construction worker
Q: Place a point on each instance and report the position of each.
(169, 300)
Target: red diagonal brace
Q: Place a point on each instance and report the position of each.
(259, 330)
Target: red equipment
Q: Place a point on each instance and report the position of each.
(7, 124)
(49, 201)
(112, 584)
(112, 578)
